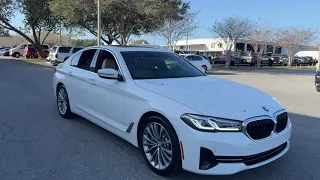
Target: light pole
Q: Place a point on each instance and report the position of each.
(99, 24)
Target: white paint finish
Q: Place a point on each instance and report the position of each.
(113, 105)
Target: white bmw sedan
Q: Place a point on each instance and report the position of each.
(178, 116)
(198, 61)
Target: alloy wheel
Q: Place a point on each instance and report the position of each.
(157, 145)
(62, 99)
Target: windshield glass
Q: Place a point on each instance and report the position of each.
(158, 65)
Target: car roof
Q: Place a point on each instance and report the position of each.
(191, 55)
(130, 48)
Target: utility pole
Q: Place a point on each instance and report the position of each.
(99, 23)
(187, 41)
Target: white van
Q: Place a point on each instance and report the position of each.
(58, 54)
(18, 51)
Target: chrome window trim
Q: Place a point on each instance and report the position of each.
(263, 117)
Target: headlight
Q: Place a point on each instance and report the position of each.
(211, 124)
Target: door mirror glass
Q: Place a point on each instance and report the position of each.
(109, 73)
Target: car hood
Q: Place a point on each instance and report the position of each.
(214, 96)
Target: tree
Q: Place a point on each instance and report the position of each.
(261, 35)
(119, 18)
(231, 30)
(174, 29)
(140, 41)
(38, 18)
(293, 38)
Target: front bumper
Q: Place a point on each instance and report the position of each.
(234, 147)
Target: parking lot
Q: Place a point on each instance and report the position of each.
(36, 143)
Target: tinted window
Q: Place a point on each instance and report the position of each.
(197, 58)
(85, 59)
(189, 58)
(45, 46)
(106, 60)
(158, 65)
(64, 49)
(76, 50)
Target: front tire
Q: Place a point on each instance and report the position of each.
(63, 104)
(16, 55)
(318, 89)
(159, 145)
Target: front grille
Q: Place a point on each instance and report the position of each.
(252, 159)
(260, 129)
(282, 121)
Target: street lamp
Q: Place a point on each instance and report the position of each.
(99, 23)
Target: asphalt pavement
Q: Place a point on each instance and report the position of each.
(36, 143)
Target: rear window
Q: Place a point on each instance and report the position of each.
(76, 50)
(64, 49)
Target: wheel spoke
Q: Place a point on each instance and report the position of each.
(167, 151)
(164, 157)
(159, 159)
(148, 150)
(151, 134)
(150, 141)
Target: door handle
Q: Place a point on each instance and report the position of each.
(70, 73)
(92, 81)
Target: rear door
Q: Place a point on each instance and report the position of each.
(81, 80)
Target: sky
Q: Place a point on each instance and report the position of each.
(279, 13)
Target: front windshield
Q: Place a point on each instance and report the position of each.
(158, 65)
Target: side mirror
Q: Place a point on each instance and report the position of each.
(109, 73)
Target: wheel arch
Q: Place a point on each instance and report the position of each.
(144, 117)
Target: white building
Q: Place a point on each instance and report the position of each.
(217, 46)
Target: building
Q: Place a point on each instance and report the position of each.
(217, 46)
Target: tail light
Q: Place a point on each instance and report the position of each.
(232, 59)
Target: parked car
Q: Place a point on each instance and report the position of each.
(183, 52)
(177, 115)
(4, 50)
(31, 52)
(58, 54)
(237, 61)
(198, 61)
(300, 60)
(18, 51)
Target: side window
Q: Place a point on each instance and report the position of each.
(64, 49)
(189, 58)
(197, 58)
(86, 59)
(106, 60)
(76, 50)
(75, 60)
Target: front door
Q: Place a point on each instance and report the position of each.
(108, 95)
